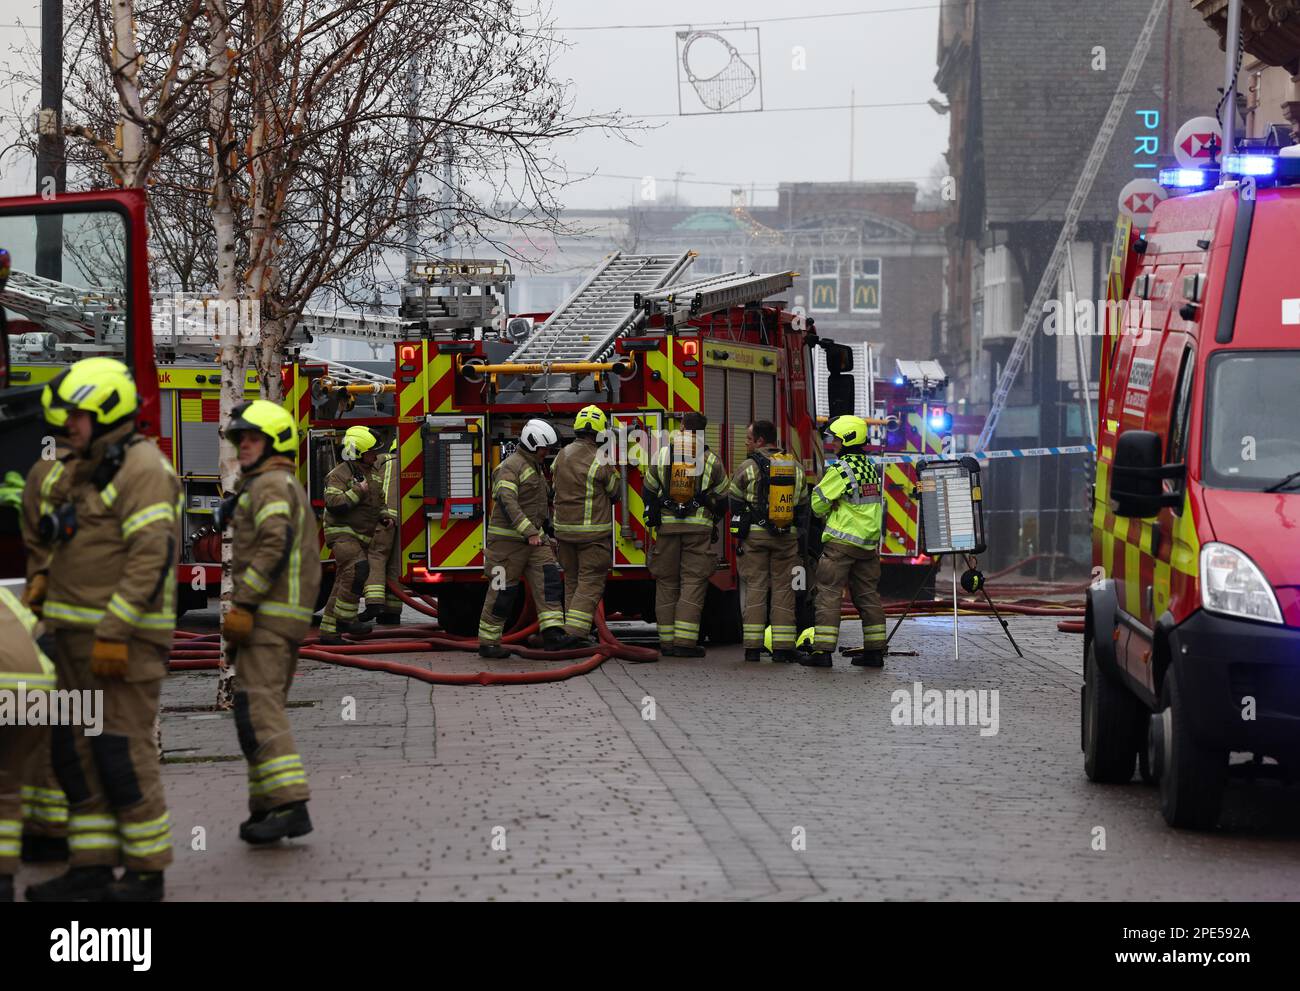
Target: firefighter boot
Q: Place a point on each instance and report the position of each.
(682, 650)
(492, 650)
(869, 659)
(389, 619)
(6, 888)
(136, 886)
(819, 659)
(44, 849)
(287, 820)
(79, 884)
(370, 613)
(784, 655)
(753, 654)
(554, 638)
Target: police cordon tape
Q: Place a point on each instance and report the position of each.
(1017, 452)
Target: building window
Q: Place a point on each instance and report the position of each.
(866, 285)
(824, 285)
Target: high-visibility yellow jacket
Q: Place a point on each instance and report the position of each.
(849, 494)
(117, 574)
(275, 556)
(586, 488)
(520, 500)
(349, 512)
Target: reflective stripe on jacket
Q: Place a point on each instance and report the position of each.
(117, 574)
(349, 511)
(747, 486)
(849, 494)
(275, 556)
(586, 488)
(21, 661)
(519, 497)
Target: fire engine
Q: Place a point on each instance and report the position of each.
(1192, 643)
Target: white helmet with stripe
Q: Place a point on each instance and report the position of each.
(538, 433)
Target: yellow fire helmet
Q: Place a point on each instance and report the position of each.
(356, 442)
(102, 387)
(591, 418)
(851, 430)
(266, 417)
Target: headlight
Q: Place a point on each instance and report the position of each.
(1231, 584)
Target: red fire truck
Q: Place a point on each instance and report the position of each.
(1193, 627)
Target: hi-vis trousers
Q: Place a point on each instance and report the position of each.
(769, 563)
(586, 566)
(116, 810)
(681, 564)
(505, 563)
(45, 807)
(17, 744)
(264, 669)
(859, 568)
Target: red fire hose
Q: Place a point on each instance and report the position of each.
(201, 652)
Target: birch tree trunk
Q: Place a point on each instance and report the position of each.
(126, 78)
(233, 355)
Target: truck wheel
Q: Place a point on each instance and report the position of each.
(1193, 778)
(1110, 720)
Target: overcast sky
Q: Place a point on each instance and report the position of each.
(886, 57)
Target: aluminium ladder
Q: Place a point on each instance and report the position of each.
(1068, 230)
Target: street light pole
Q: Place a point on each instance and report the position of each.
(51, 165)
(1232, 44)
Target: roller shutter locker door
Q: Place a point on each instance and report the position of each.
(739, 404)
(715, 407)
(765, 398)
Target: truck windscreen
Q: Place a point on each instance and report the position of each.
(1253, 419)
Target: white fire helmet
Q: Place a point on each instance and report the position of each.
(538, 433)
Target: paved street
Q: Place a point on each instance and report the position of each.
(708, 799)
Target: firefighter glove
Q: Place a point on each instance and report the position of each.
(34, 594)
(108, 658)
(237, 627)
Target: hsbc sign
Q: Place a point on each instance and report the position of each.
(1198, 142)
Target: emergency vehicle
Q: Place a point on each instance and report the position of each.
(1192, 643)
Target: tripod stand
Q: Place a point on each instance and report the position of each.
(934, 570)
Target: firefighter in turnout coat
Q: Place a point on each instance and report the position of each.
(516, 546)
(685, 496)
(353, 509)
(768, 493)
(586, 487)
(275, 566)
(111, 602)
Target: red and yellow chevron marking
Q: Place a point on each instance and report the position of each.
(686, 390)
(297, 401)
(914, 430)
(442, 382)
(658, 393)
(412, 397)
(460, 546)
(901, 526)
(630, 552)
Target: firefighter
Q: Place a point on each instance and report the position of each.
(275, 567)
(516, 546)
(849, 496)
(111, 602)
(586, 487)
(353, 508)
(384, 559)
(767, 496)
(45, 807)
(23, 668)
(685, 496)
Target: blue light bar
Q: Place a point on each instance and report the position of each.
(1184, 178)
(898, 380)
(1256, 165)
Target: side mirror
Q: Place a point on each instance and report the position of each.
(841, 395)
(1137, 473)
